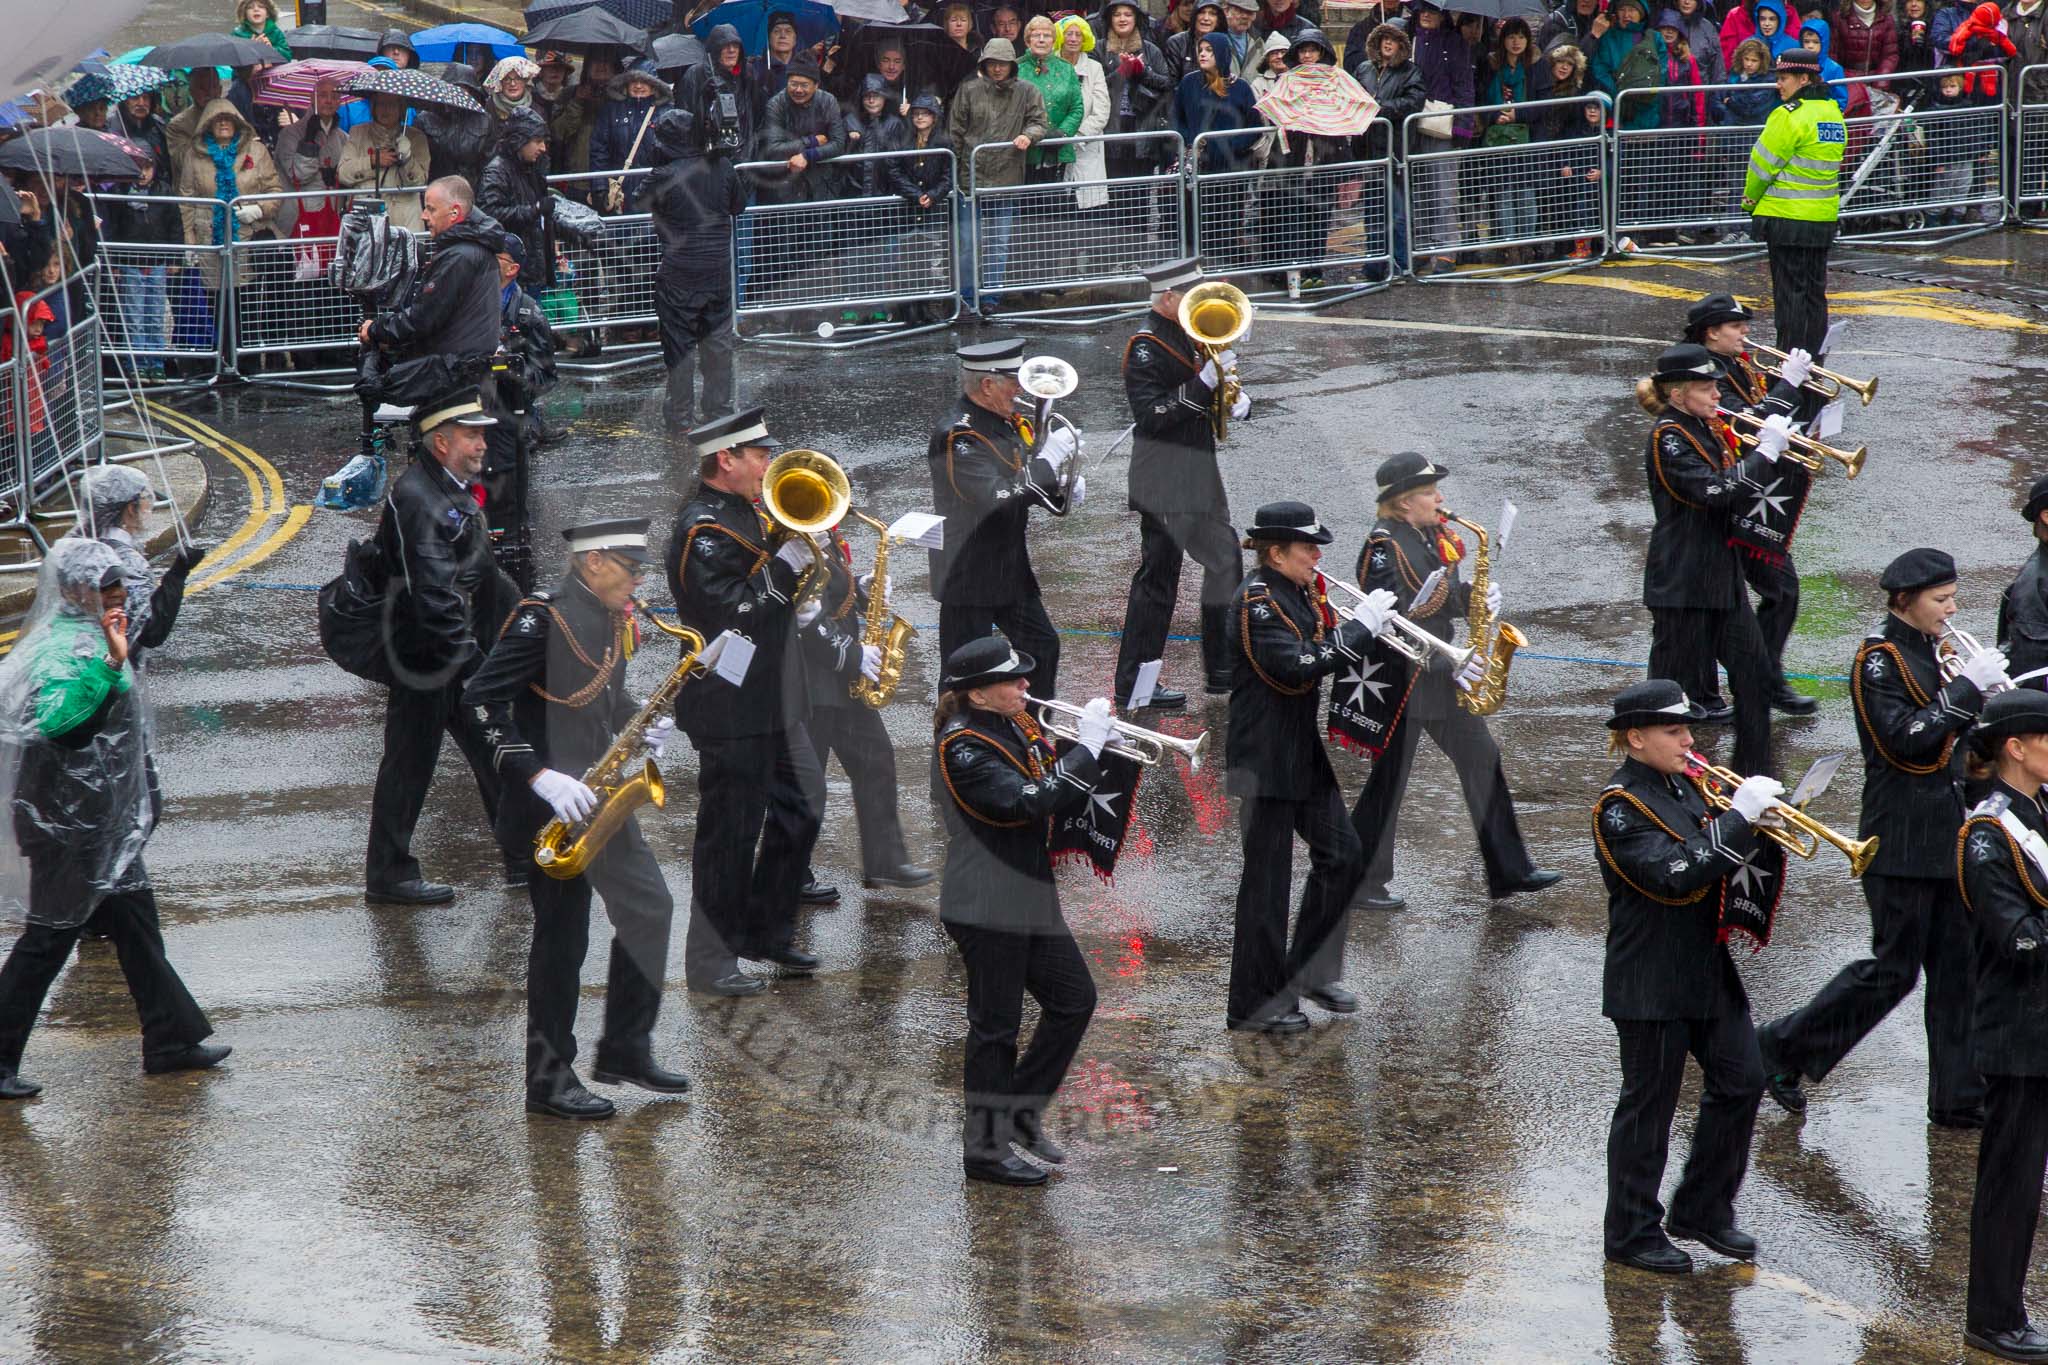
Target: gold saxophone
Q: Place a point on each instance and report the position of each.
(1495, 641)
(885, 630)
(564, 850)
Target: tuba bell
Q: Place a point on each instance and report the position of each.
(805, 492)
(1214, 314)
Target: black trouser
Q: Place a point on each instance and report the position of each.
(1267, 971)
(170, 1017)
(999, 1085)
(1686, 640)
(697, 325)
(2011, 1154)
(1777, 609)
(1026, 625)
(1799, 296)
(1469, 745)
(1915, 923)
(414, 722)
(1653, 1053)
(759, 800)
(856, 734)
(1155, 588)
(636, 900)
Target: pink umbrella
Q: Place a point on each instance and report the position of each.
(292, 84)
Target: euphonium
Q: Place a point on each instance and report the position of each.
(805, 492)
(1495, 643)
(885, 630)
(1215, 314)
(622, 785)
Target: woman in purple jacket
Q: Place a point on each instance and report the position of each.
(1446, 65)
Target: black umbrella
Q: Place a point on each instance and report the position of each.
(414, 87)
(647, 14)
(69, 149)
(585, 30)
(332, 40)
(211, 49)
(677, 52)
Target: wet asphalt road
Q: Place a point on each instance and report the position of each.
(1422, 1181)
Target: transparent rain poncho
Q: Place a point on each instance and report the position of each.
(74, 762)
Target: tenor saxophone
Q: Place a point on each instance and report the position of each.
(885, 630)
(623, 778)
(1496, 641)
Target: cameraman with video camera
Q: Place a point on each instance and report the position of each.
(694, 198)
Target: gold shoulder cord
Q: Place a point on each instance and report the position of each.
(1600, 842)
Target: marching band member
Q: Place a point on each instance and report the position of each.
(2002, 860)
(1692, 575)
(829, 632)
(1669, 985)
(2023, 610)
(1280, 771)
(1763, 526)
(1408, 543)
(553, 696)
(984, 483)
(1176, 490)
(1908, 721)
(1007, 780)
(760, 789)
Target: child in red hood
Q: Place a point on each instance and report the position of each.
(1980, 41)
(36, 316)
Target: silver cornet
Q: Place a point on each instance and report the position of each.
(1401, 635)
(1954, 652)
(1132, 741)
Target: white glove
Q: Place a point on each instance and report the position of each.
(1472, 672)
(658, 735)
(1493, 598)
(1080, 493)
(1094, 726)
(1227, 359)
(1987, 668)
(571, 800)
(1797, 368)
(796, 553)
(248, 213)
(808, 612)
(1755, 796)
(1060, 447)
(871, 662)
(1377, 608)
(1241, 407)
(1774, 436)
(1209, 374)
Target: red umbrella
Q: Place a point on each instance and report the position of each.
(292, 84)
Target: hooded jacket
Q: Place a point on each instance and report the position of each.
(516, 194)
(1739, 24)
(357, 169)
(1398, 87)
(255, 173)
(701, 83)
(1445, 61)
(1831, 70)
(1198, 110)
(995, 111)
(1977, 42)
(618, 124)
(1615, 47)
(1703, 36)
(886, 132)
(1134, 99)
(454, 311)
(460, 142)
(2028, 31)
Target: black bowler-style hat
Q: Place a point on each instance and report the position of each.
(2019, 711)
(1288, 521)
(625, 537)
(2037, 498)
(992, 659)
(1712, 311)
(1686, 361)
(1917, 569)
(749, 428)
(1658, 701)
(1398, 474)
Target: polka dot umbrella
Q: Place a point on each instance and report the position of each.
(414, 87)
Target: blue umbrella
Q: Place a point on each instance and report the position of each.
(815, 23)
(439, 44)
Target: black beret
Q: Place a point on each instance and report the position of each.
(1657, 701)
(1916, 569)
(990, 659)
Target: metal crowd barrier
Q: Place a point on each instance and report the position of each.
(1681, 184)
(153, 300)
(2030, 148)
(609, 283)
(15, 505)
(1537, 199)
(1078, 234)
(1295, 225)
(866, 254)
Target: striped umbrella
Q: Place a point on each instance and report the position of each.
(115, 83)
(414, 87)
(291, 86)
(1322, 100)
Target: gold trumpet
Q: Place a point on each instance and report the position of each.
(1827, 383)
(1804, 451)
(1402, 635)
(1802, 835)
(1132, 741)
